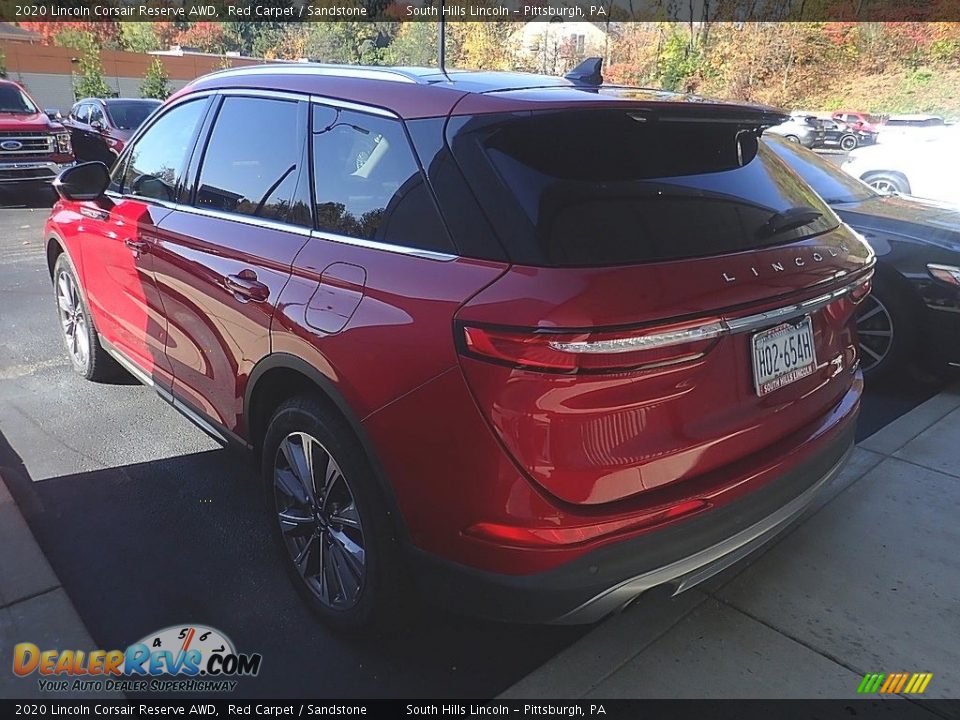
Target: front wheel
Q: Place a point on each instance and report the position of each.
(887, 330)
(848, 142)
(329, 518)
(87, 356)
(792, 138)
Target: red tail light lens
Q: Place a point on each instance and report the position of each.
(575, 535)
(573, 352)
(860, 292)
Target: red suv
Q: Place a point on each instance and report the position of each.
(527, 345)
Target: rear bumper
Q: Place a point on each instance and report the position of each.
(34, 171)
(607, 579)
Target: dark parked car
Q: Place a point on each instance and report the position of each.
(839, 134)
(914, 309)
(527, 349)
(101, 128)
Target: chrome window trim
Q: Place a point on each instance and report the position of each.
(385, 247)
(245, 219)
(258, 93)
(357, 107)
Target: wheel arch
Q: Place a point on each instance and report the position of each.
(280, 376)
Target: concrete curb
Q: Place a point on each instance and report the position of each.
(33, 604)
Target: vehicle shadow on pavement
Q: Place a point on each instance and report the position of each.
(185, 539)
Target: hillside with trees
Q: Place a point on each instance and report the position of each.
(880, 67)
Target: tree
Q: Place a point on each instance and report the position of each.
(104, 34)
(139, 37)
(155, 83)
(89, 81)
(208, 37)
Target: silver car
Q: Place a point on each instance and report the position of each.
(805, 130)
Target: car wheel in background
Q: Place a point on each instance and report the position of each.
(848, 142)
(887, 328)
(792, 138)
(329, 517)
(79, 333)
(887, 182)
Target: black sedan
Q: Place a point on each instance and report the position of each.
(839, 134)
(913, 312)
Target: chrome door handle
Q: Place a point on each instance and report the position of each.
(137, 246)
(245, 283)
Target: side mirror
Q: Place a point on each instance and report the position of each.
(53, 114)
(85, 181)
(97, 125)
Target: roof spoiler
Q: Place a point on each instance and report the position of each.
(587, 72)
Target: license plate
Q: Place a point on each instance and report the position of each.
(782, 355)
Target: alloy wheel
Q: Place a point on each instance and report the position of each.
(319, 521)
(875, 328)
(76, 331)
(884, 186)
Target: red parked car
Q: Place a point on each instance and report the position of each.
(34, 147)
(858, 120)
(527, 346)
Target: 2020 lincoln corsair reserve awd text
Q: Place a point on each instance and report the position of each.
(526, 345)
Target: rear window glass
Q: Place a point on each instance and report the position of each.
(606, 187)
(130, 115)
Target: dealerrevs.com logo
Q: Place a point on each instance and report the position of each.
(179, 658)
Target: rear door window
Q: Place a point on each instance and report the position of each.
(368, 184)
(609, 187)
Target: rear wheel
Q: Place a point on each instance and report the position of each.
(888, 182)
(886, 325)
(792, 138)
(329, 517)
(87, 356)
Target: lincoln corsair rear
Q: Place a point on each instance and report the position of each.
(524, 345)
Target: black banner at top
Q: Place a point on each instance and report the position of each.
(598, 11)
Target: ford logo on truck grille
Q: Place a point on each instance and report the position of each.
(11, 144)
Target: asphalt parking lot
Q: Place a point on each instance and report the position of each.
(148, 523)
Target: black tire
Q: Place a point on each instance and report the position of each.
(382, 595)
(848, 142)
(87, 356)
(792, 138)
(888, 304)
(885, 181)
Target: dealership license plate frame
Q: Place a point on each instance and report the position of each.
(789, 376)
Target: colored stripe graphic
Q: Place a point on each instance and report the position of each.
(895, 683)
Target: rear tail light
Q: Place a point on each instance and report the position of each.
(520, 536)
(859, 292)
(606, 351)
(590, 351)
(947, 273)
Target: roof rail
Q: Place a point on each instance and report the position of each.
(369, 72)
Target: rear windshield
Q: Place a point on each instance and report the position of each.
(130, 115)
(609, 187)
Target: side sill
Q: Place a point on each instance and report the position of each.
(211, 427)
